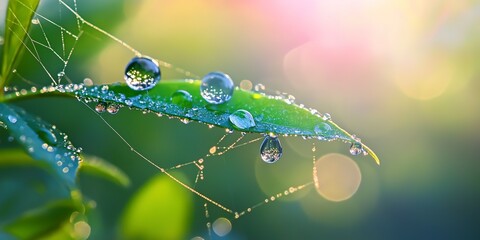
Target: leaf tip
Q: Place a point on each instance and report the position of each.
(372, 154)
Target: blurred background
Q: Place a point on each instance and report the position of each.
(403, 75)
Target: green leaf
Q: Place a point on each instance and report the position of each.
(272, 114)
(18, 21)
(160, 210)
(99, 167)
(26, 184)
(42, 141)
(42, 221)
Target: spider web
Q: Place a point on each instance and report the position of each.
(52, 50)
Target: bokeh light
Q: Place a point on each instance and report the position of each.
(337, 177)
(222, 226)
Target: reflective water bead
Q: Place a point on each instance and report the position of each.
(356, 148)
(271, 149)
(327, 117)
(101, 107)
(12, 118)
(216, 88)
(182, 98)
(242, 119)
(142, 73)
(113, 108)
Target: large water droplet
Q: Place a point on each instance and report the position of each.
(216, 88)
(47, 136)
(182, 98)
(356, 148)
(271, 149)
(142, 73)
(242, 119)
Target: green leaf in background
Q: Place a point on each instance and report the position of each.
(42, 221)
(42, 141)
(18, 21)
(99, 167)
(271, 114)
(161, 209)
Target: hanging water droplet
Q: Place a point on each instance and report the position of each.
(242, 119)
(216, 88)
(12, 118)
(142, 73)
(182, 98)
(47, 136)
(356, 148)
(271, 149)
(61, 74)
(35, 21)
(101, 107)
(113, 108)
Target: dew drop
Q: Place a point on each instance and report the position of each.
(216, 88)
(271, 149)
(35, 21)
(12, 118)
(327, 117)
(101, 107)
(242, 119)
(142, 73)
(65, 170)
(356, 148)
(88, 82)
(47, 136)
(213, 150)
(182, 98)
(129, 102)
(113, 108)
(259, 87)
